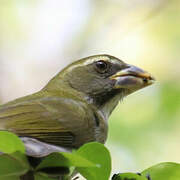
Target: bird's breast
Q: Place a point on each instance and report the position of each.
(93, 128)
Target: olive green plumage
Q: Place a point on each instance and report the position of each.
(73, 108)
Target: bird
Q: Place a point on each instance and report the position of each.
(74, 107)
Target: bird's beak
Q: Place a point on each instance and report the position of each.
(132, 78)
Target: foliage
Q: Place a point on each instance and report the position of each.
(92, 160)
(167, 171)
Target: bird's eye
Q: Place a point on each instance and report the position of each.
(101, 66)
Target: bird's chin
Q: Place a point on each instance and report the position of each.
(129, 84)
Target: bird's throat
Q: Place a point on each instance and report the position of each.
(107, 102)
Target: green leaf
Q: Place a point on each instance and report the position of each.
(10, 178)
(78, 160)
(13, 161)
(99, 155)
(92, 160)
(128, 176)
(164, 171)
(65, 160)
(53, 160)
(10, 143)
(13, 165)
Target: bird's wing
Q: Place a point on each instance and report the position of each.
(51, 120)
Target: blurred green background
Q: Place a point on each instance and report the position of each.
(40, 37)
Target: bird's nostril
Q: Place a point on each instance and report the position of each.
(145, 80)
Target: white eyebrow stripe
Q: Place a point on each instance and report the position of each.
(89, 61)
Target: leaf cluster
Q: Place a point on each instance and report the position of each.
(92, 161)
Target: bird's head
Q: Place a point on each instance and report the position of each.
(102, 78)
